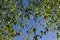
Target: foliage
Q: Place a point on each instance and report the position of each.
(11, 11)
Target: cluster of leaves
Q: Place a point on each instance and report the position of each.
(7, 19)
(49, 9)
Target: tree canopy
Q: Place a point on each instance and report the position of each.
(14, 12)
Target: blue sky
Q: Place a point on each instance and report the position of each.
(31, 23)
